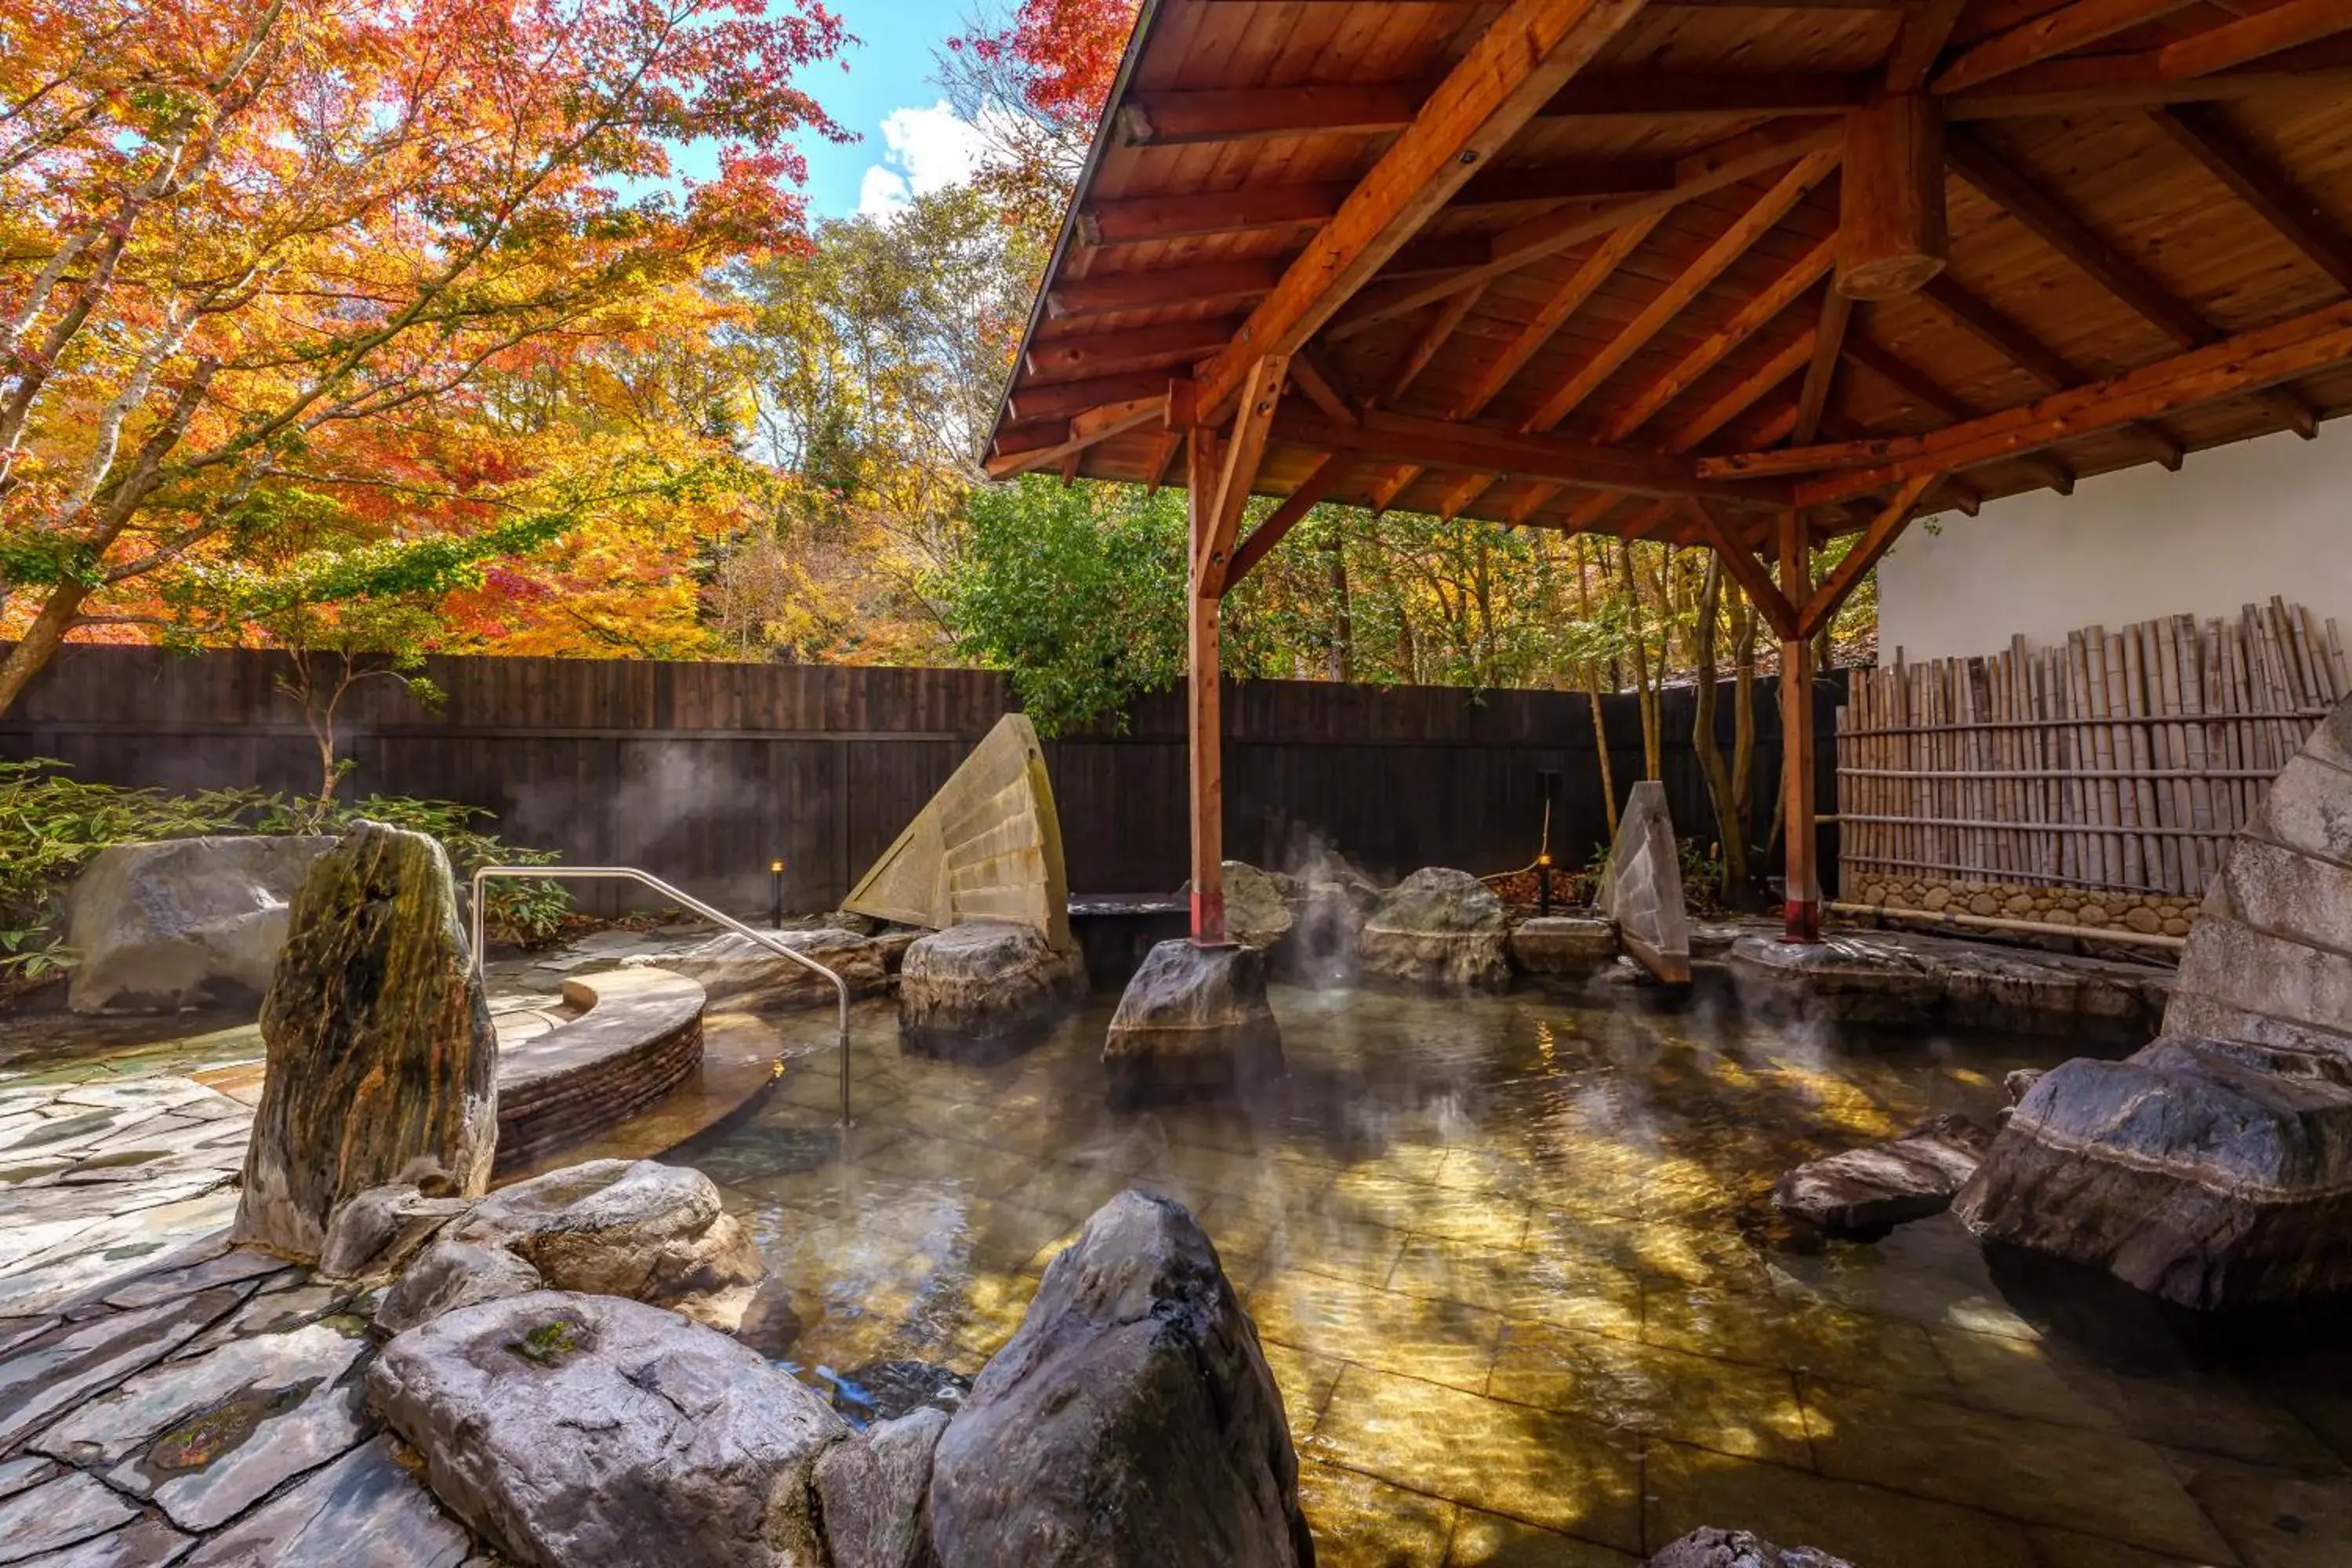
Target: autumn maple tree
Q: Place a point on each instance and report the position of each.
(264, 266)
(1033, 84)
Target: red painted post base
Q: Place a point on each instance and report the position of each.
(1208, 919)
(1802, 918)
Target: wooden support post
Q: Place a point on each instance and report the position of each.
(1891, 232)
(1204, 714)
(1803, 905)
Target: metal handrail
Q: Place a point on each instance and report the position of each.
(686, 900)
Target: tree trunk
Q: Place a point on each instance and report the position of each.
(1722, 793)
(1343, 627)
(1600, 748)
(1743, 723)
(41, 640)
(1645, 690)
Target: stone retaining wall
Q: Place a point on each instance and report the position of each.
(2152, 914)
(639, 1037)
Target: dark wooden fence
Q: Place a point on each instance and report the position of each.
(701, 772)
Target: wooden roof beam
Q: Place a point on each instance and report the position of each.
(1826, 600)
(1829, 346)
(1443, 323)
(1513, 454)
(1669, 303)
(2251, 37)
(1143, 220)
(1913, 384)
(1743, 395)
(1088, 429)
(1195, 117)
(1320, 483)
(2053, 222)
(1061, 400)
(1726, 163)
(2052, 34)
(1926, 29)
(2266, 356)
(1750, 318)
(1523, 56)
(2206, 134)
(1114, 293)
(1094, 355)
(1237, 473)
(2030, 354)
(1564, 301)
(2092, 82)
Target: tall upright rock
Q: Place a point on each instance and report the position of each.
(1642, 890)
(381, 1059)
(2214, 1167)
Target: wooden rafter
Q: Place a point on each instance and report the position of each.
(1313, 380)
(2265, 357)
(1726, 534)
(2251, 37)
(2055, 224)
(2206, 134)
(1498, 449)
(1100, 355)
(1216, 282)
(1561, 303)
(1753, 315)
(1443, 322)
(1677, 296)
(1881, 534)
(1237, 473)
(1926, 29)
(1325, 477)
(1912, 383)
(1096, 425)
(1523, 245)
(2054, 32)
(1523, 57)
(1828, 345)
(1743, 395)
(2030, 354)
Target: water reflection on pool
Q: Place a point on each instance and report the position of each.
(1514, 1267)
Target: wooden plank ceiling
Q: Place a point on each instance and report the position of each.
(1632, 302)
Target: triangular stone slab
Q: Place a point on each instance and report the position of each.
(1642, 890)
(989, 846)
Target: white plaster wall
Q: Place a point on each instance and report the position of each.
(2236, 525)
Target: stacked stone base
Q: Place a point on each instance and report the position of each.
(2150, 914)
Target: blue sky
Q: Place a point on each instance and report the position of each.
(888, 96)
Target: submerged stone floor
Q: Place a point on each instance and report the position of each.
(1515, 1266)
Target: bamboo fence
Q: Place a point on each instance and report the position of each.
(2122, 760)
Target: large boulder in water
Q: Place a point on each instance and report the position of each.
(1440, 929)
(982, 989)
(2214, 1168)
(589, 1432)
(381, 1059)
(186, 923)
(1193, 1020)
(1131, 1420)
(2208, 1173)
(651, 1232)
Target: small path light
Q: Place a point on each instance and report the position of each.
(1546, 780)
(776, 894)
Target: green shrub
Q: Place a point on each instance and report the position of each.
(51, 826)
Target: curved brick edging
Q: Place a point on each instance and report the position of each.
(638, 1037)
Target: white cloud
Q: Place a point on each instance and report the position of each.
(925, 150)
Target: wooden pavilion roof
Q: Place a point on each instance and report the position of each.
(1576, 263)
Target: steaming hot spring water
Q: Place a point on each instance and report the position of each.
(1513, 1263)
